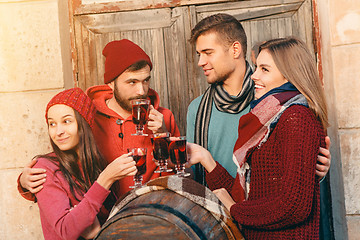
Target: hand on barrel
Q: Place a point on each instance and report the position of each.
(91, 231)
(121, 167)
(156, 121)
(32, 179)
(224, 197)
(198, 154)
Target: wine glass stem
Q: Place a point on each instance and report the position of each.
(139, 128)
(138, 181)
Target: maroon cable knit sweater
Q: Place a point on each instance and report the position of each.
(284, 199)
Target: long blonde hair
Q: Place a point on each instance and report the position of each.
(296, 64)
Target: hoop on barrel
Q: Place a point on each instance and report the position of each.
(170, 208)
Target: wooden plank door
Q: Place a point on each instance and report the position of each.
(262, 20)
(160, 32)
(163, 34)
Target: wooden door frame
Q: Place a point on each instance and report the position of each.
(75, 7)
(80, 8)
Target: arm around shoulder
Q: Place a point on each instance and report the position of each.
(31, 180)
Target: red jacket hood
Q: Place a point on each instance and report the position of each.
(100, 93)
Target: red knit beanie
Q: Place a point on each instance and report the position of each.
(76, 99)
(119, 55)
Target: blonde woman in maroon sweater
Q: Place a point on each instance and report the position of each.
(275, 194)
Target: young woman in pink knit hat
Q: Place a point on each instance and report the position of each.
(275, 194)
(76, 197)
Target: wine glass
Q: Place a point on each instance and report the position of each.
(140, 113)
(160, 143)
(177, 151)
(139, 155)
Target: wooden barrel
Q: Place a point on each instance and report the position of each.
(166, 214)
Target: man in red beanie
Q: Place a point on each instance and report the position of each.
(126, 77)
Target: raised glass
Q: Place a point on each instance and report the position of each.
(140, 114)
(177, 151)
(139, 155)
(160, 143)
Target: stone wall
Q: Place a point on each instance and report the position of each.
(345, 44)
(35, 63)
(31, 72)
(340, 33)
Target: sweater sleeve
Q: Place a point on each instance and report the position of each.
(219, 178)
(55, 208)
(298, 137)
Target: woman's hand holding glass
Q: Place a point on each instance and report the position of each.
(121, 167)
(198, 154)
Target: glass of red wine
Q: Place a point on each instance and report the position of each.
(160, 143)
(140, 113)
(139, 155)
(177, 151)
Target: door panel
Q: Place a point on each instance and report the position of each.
(263, 20)
(163, 33)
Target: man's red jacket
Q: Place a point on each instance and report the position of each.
(113, 135)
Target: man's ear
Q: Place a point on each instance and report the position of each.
(237, 49)
(111, 85)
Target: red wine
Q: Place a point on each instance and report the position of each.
(160, 148)
(140, 164)
(140, 113)
(177, 150)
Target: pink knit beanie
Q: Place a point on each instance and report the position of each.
(76, 99)
(119, 55)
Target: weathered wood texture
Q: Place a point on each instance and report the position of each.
(163, 33)
(165, 215)
(83, 7)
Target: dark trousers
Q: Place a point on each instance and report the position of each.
(326, 226)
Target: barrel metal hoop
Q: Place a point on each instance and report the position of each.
(178, 214)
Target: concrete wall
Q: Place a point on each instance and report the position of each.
(31, 72)
(35, 64)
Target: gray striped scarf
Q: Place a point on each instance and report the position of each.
(224, 103)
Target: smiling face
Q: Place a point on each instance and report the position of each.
(131, 85)
(216, 60)
(266, 76)
(63, 127)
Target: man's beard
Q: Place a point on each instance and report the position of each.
(125, 103)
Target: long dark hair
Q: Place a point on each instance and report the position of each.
(82, 166)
